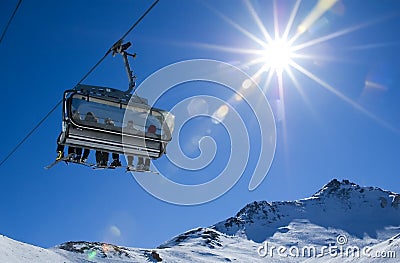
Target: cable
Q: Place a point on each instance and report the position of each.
(30, 133)
(84, 77)
(119, 41)
(140, 19)
(9, 22)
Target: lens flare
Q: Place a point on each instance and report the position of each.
(115, 231)
(220, 114)
(91, 254)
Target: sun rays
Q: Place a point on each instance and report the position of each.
(280, 52)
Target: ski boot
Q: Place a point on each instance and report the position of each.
(60, 155)
(115, 163)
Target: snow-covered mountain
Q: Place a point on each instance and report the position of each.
(341, 222)
(361, 212)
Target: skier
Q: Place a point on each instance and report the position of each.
(77, 152)
(131, 129)
(116, 162)
(145, 165)
(89, 118)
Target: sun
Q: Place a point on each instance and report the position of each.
(277, 55)
(281, 52)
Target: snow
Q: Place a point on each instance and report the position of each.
(17, 252)
(336, 206)
(342, 222)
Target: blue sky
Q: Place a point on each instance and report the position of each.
(345, 125)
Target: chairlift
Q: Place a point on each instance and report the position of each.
(137, 128)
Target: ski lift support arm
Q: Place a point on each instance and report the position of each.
(120, 48)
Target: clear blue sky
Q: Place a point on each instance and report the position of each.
(50, 45)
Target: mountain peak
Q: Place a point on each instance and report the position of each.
(335, 185)
(336, 205)
(349, 192)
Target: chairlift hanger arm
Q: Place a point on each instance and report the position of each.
(120, 48)
(131, 76)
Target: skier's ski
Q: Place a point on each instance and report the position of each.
(96, 167)
(83, 163)
(133, 169)
(65, 158)
(69, 159)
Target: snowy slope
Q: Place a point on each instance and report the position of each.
(18, 252)
(342, 222)
(198, 245)
(386, 251)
